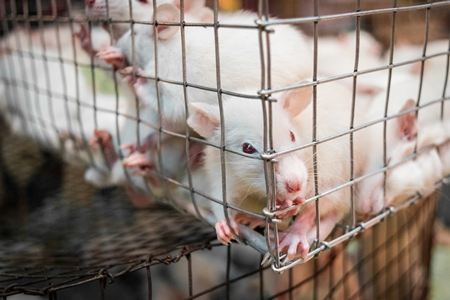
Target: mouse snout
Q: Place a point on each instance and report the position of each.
(89, 3)
(293, 186)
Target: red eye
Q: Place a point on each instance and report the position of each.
(247, 148)
(292, 136)
(143, 1)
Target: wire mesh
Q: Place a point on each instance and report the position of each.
(62, 95)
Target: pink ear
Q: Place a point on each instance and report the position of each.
(204, 119)
(196, 155)
(295, 101)
(407, 123)
(167, 13)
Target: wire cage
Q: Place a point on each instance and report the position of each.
(305, 135)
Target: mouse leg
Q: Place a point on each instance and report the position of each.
(294, 240)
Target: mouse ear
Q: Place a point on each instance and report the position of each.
(167, 13)
(204, 119)
(196, 154)
(407, 123)
(295, 101)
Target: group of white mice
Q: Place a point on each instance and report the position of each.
(177, 91)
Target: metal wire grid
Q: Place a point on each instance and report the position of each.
(266, 93)
(107, 241)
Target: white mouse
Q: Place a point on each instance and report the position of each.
(343, 47)
(403, 132)
(403, 179)
(240, 64)
(170, 52)
(57, 110)
(246, 188)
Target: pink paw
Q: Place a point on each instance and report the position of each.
(289, 203)
(148, 143)
(224, 232)
(140, 161)
(113, 56)
(103, 140)
(293, 244)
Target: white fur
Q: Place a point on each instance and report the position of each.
(336, 55)
(240, 66)
(419, 174)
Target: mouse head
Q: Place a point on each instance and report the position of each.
(244, 139)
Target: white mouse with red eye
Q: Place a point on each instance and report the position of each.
(244, 168)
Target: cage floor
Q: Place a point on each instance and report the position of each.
(57, 231)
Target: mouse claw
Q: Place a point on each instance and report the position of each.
(224, 231)
(295, 244)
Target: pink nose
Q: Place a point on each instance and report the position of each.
(89, 3)
(293, 186)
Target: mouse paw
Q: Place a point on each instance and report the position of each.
(224, 232)
(102, 140)
(148, 143)
(293, 244)
(139, 161)
(113, 56)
